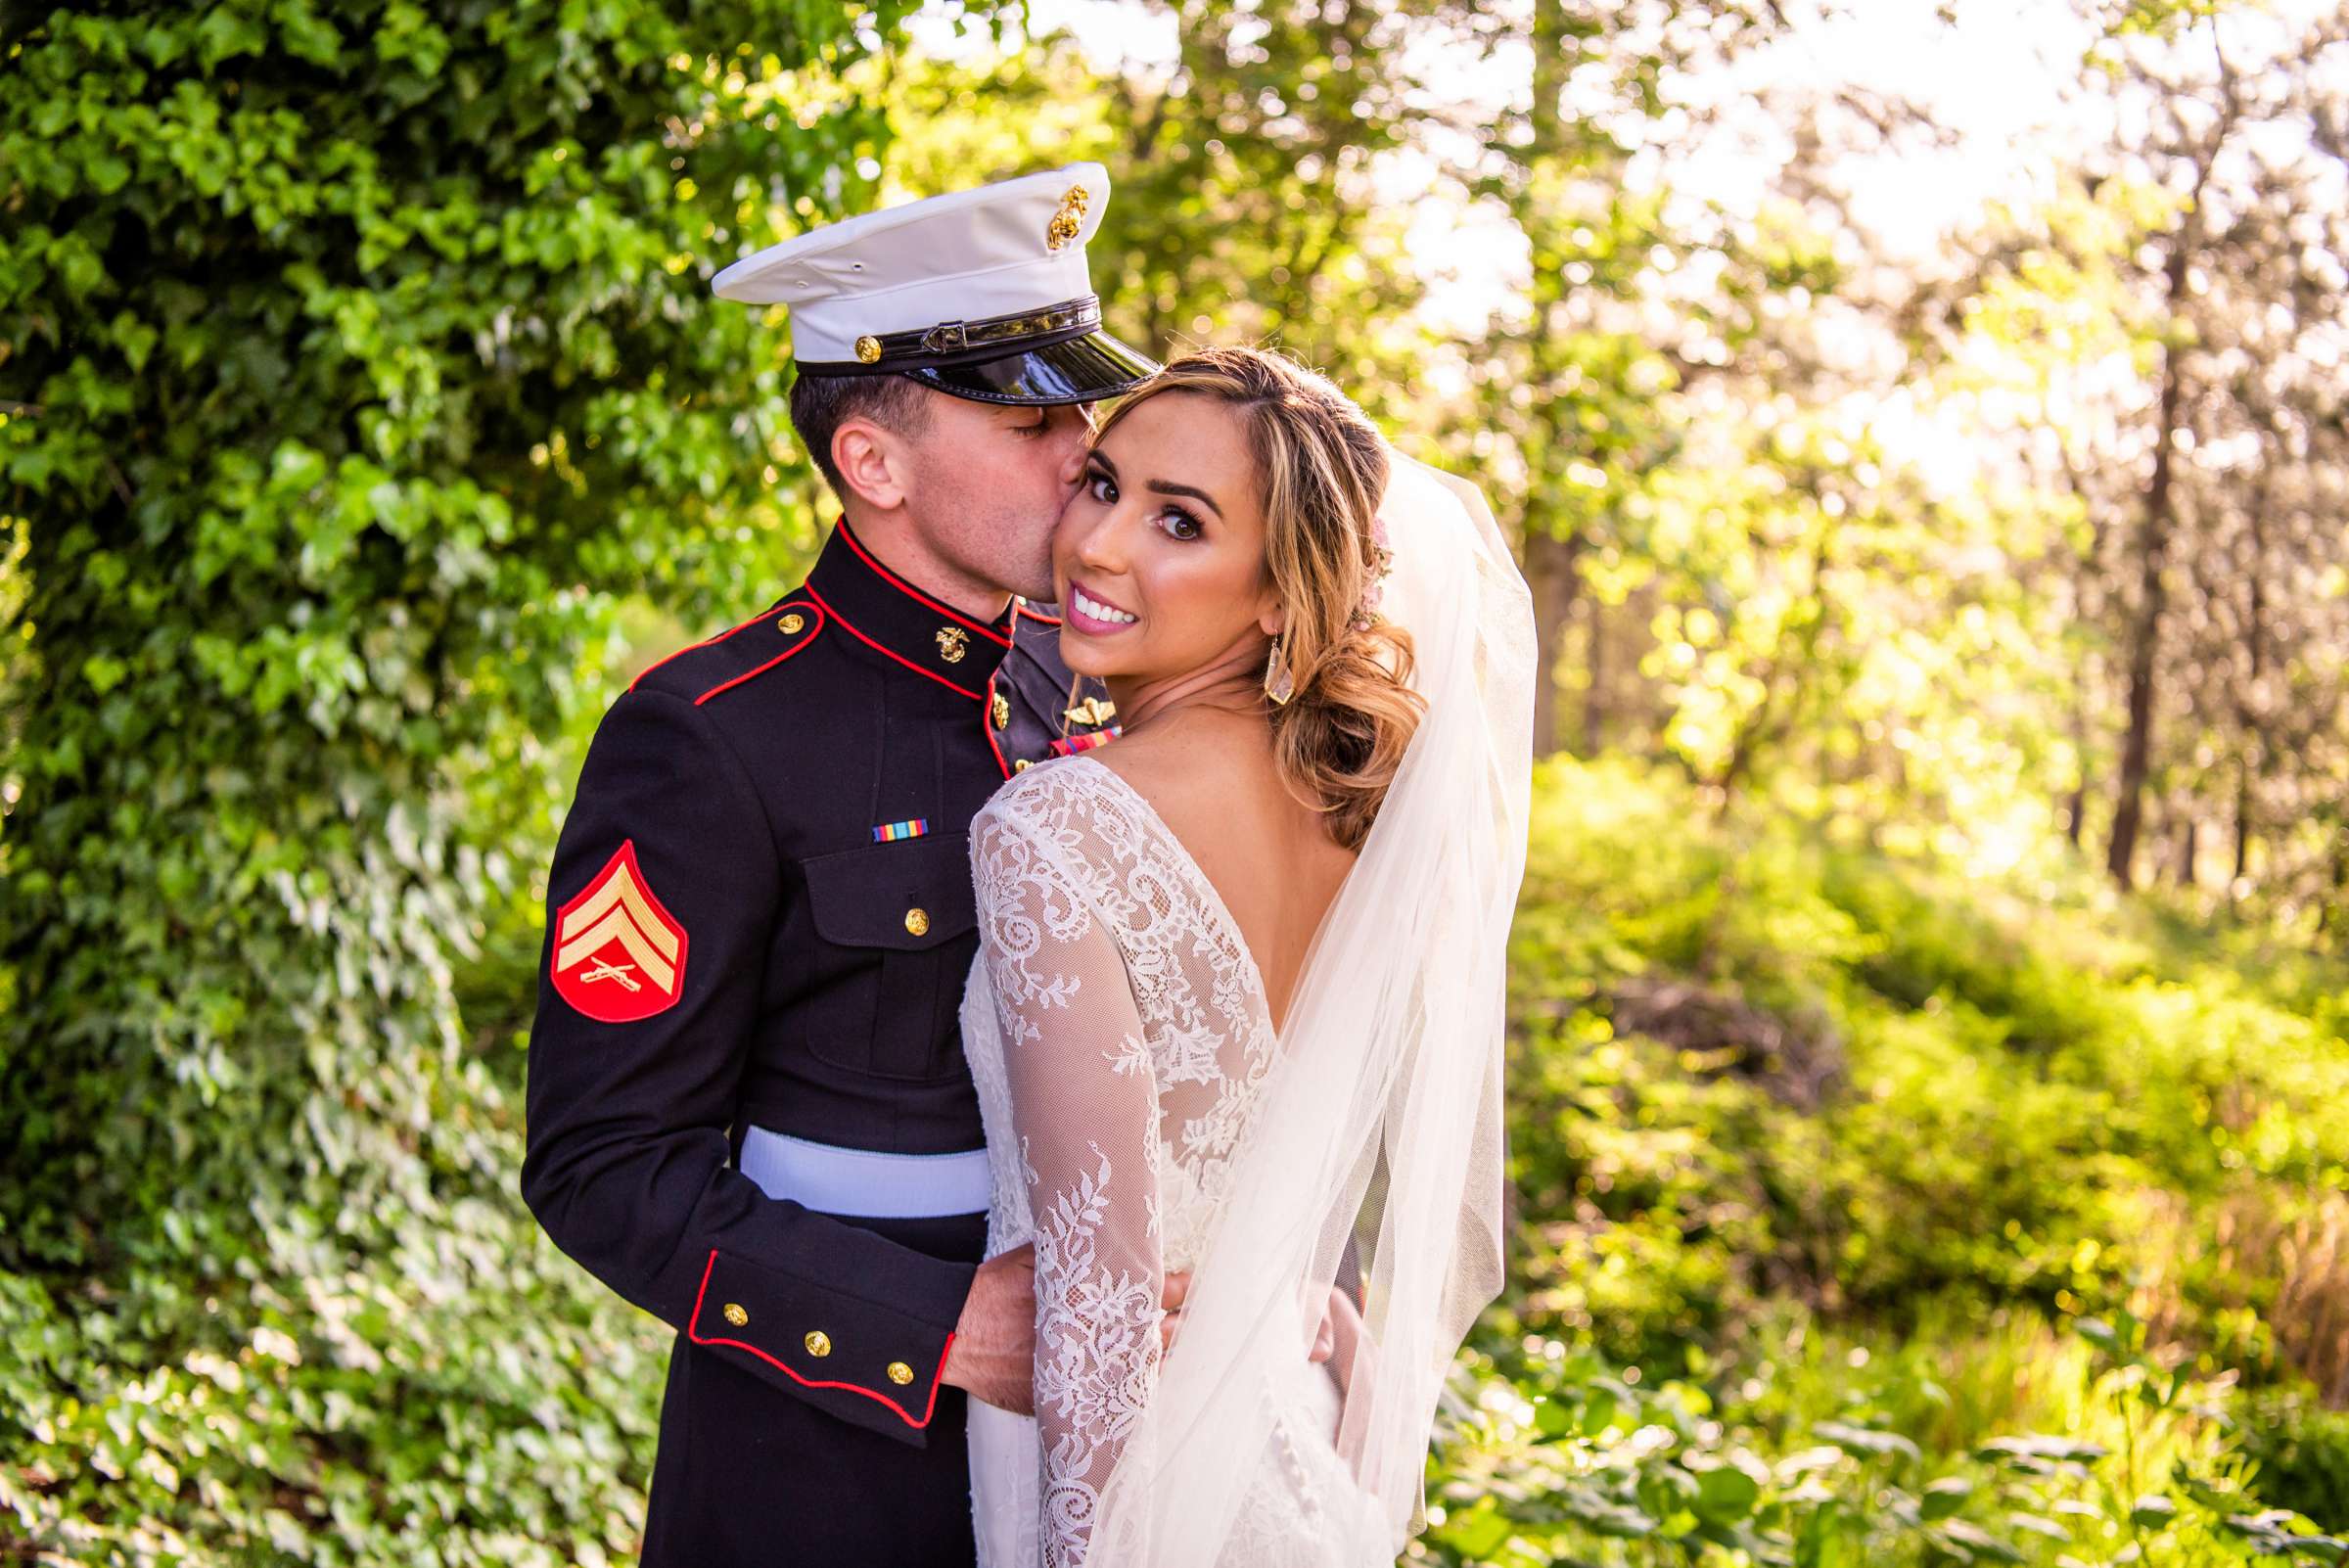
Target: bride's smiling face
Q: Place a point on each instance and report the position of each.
(1159, 558)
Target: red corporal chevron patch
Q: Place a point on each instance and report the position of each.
(618, 955)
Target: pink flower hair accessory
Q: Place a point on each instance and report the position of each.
(1381, 563)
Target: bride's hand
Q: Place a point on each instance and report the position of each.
(993, 1354)
(1169, 1300)
(1340, 1337)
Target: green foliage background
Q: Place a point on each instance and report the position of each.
(1890, 1187)
(359, 357)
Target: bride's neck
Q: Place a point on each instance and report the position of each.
(1231, 685)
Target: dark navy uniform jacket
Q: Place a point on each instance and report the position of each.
(761, 913)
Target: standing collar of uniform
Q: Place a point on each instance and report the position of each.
(919, 631)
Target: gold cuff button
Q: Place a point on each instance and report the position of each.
(818, 1342)
(900, 1372)
(791, 624)
(735, 1314)
(917, 921)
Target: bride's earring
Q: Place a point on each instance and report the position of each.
(1277, 684)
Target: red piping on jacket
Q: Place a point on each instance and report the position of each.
(842, 623)
(693, 1332)
(788, 604)
(1038, 615)
(706, 642)
(912, 592)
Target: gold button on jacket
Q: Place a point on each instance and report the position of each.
(818, 1342)
(917, 921)
(735, 1313)
(900, 1372)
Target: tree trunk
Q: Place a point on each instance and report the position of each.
(2075, 805)
(1549, 574)
(2144, 630)
(2250, 711)
(1594, 693)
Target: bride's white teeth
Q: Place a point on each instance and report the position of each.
(1098, 611)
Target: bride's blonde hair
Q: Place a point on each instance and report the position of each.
(1321, 469)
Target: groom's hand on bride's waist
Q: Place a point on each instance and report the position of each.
(992, 1356)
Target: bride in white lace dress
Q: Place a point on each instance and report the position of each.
(1195, 1048)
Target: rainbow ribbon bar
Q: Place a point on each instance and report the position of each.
(891, 832)
(1070, 746)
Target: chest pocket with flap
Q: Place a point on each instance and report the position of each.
(908, 906)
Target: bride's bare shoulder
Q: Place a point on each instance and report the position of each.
(1173, 772)
(1210, 785)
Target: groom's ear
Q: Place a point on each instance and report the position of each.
(872, 463)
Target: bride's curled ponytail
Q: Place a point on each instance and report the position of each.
(1322, 469)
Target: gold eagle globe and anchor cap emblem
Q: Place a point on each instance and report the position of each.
(1069, 221)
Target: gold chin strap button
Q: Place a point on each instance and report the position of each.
(917, 921)
(735, 1313)
(791, 624)
(818, 1342)
(868, 348)
(899, 1373)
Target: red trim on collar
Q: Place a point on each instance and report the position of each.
(912, 592)
(706, 642)
(842, 622)
(693, 1332)
(787, 653)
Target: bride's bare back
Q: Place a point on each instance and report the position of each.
(1211, 778)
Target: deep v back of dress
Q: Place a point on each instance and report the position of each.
(1119, 1036)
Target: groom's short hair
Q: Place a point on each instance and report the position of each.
(821, 405)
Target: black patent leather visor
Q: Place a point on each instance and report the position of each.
(1084, 369)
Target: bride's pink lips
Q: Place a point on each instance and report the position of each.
(1091, 626)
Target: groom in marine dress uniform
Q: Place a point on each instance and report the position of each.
(748, 1107)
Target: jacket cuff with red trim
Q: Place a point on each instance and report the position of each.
(868, 1364)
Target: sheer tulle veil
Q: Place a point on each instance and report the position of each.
(1382, 1119)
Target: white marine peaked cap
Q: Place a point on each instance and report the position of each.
(984, 293)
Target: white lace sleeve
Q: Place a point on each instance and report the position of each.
(1085, 1110)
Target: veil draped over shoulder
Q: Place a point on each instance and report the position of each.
(1382, 1118)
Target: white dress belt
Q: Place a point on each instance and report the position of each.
(865, 1184)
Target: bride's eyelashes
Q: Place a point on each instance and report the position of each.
(1173, 517)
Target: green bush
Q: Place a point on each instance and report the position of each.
(361, 360)
(2302, 1451)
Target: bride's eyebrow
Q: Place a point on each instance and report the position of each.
(1169, 488)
